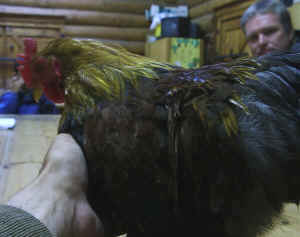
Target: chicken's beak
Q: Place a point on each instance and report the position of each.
(37, 93)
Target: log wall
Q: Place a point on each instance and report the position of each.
(112, 21)
(116, 20)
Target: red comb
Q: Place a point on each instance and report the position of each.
(50, 78)
(30, 49)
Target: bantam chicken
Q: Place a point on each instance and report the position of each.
(176, 152)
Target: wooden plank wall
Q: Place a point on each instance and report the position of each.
(203, 12)
(112, 21)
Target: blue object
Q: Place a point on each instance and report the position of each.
(23, 103)
(28, 109)
(9, 103)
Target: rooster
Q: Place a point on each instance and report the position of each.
(171, 151)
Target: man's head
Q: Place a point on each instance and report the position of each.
(267, 26)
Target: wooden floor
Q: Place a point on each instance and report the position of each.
(23, 148)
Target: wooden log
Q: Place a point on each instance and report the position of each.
(77, 17)
(206, 22)
(115, 33)
(33, 32)
(190, 3)
(22, 21)
(137, 47)
(208, 6)
(131, 6)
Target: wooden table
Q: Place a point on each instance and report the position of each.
(22, 150)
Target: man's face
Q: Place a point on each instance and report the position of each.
(265, 33)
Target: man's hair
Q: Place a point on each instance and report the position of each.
(268, 6)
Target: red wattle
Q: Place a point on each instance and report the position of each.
(54, 92)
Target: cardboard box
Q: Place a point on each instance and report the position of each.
(294, 11)
(184, 52)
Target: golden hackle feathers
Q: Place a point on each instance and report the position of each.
(98, 66)
(93, 72)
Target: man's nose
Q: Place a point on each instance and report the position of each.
(261, 39)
